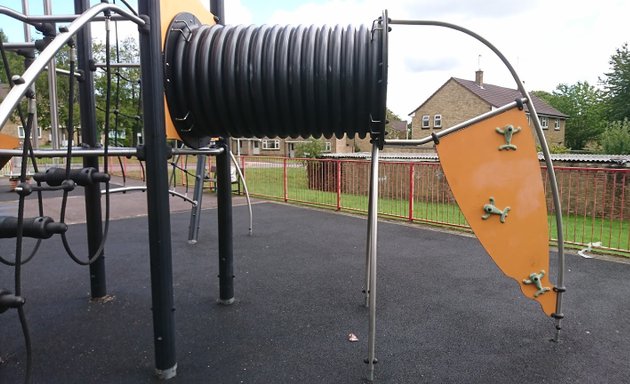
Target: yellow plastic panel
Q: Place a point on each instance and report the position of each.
(168, 10)
(482, 163)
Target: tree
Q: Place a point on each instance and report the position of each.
(617, 85)
(394, 123)
(311, 148)
(584, 104)
(125, 92)
(616, 138)
(15, 67)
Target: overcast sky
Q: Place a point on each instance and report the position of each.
(549, 42)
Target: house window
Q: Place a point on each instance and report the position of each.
(327, 146)
(556, 125)
(21, 132)
(544, 122)
(271, 144)
(425, 121)
(437, 121)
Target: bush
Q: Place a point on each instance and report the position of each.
(615, 140)
(312, 148)
(554, 148)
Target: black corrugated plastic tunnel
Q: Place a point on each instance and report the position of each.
(275, 81)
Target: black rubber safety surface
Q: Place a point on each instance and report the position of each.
(446, 314)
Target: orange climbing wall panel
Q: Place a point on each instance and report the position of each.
(477, 169)
(7, 142)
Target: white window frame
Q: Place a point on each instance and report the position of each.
(271, 144)
(21, 132)
(327, 146)
(426, 121)
(437, 121)
(556, 125)
(544, 122)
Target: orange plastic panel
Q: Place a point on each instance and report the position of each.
(481, 163)
(7, 142)
(168, 10)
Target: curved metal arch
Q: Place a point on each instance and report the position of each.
(543, 143)
(29, 76)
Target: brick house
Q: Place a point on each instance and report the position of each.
(285, 147)
(459, 100)
(14, 128)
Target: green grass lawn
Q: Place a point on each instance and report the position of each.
(268, 183)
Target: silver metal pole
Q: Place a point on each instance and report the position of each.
(195, 213)
(34, 19)
(372, 236)
(27, 39)
(52, 91)
(368, 247)
(27, 28)
(249, 201)
(111, 152)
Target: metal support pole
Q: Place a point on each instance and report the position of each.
(368, 251)
(224, 202)
(52, 90)
(224, 211)
(89, 134)
(27, 62)
(372, 248)
(158, 208)
(195, 213)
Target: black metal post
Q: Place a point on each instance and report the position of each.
(157, 191)
(224, 213)
(224, 202)
(217, 8)
(89, 135)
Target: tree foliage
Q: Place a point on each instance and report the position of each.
(616, 138)
(584, 105)
(311, 148)
(125, 90)
(617, 85)
(393, 119)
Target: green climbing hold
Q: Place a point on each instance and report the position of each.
(507, 133)
(491, 209)
(535, 278)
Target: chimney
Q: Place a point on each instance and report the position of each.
(479, 78)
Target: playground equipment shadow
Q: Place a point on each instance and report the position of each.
(446, 314)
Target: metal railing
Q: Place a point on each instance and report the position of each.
(595, 201)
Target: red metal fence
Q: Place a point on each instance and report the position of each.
(595, 201)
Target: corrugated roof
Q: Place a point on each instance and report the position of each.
(498, 96)
(623, 160)
(398, 125)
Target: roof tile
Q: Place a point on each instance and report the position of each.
(498, 96)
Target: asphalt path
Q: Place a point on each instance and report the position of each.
(446, 314)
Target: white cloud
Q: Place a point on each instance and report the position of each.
(236, 13)
(549, 42)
